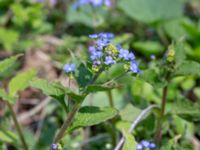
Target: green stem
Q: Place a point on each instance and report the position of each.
(21, 136)
(158, 135)
(115, 78)
(94, 78)
(67, 123)
(72, 114)
(110, 98)
(112, 129)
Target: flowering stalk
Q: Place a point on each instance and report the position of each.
(103, 54)
(67, 123)
(19, 130)
(73, 112)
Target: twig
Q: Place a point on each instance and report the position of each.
(134, 124)
(19, 130)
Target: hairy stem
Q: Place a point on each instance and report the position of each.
(134, 124)
(67, 123)
(158, 135)
(21, 136)
(110, 98)
(112, 129)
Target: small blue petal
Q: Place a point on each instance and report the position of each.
(123, 53)
(54, 146)
(139, 147)
(134, 68)
(69, 68)
(152, 145)
(145, 143)
(109, 60)
(91, 49)
(131, 56)
(93, 36)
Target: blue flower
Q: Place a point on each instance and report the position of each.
(94, 3)
(97, 62)
(139, 147)
(69, 68)
(54, 146)
(91, 49)
(152, 146)
(134, 67)
(93, 36)
(153, 57)
(106, 35)
(131, 56)
(123, 53)
(101, 43)
(96, 54)
(108, 3)
(102, 35)
(145, 143)
(109, 60)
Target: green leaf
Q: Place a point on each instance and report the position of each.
(6, 97)
(90, 115)
(149, 11)
(171, 143)
(52, 89)
(20, 81)
(55, 90)
(180, 54)
(83, 76)
(7, 63)
(97, 88)
(188, 68)
(174, 28)
(129, 113)
(130, 143)
(149, 47)
(123, 125)
(8, 136)
(186, 110)
(8, 38)
(152, 77)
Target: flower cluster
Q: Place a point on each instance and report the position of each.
(68, 68)
(94, 3)
(104, 53)
(145, 144)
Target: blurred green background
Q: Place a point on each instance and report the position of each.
(49, 32)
